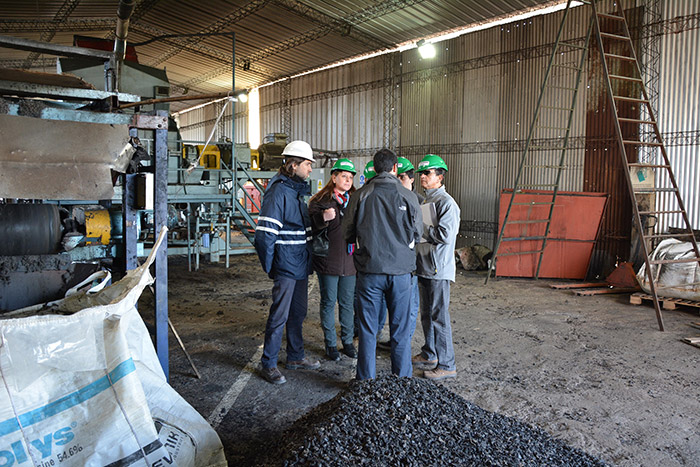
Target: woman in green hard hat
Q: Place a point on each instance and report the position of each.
(336, 271)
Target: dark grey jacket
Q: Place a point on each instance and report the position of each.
(384, 219)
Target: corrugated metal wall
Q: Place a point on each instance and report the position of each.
(473, 104)
(679, 109)
(197, 124)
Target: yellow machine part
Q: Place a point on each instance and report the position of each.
(254, 159)
(209, 158)
(98, 229)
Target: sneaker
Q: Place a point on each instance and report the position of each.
(349, 350)
(332, 353)
(438, 373)
(422, 363)
(273, 375)
(305, 364)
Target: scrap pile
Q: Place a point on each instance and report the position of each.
(409, 421)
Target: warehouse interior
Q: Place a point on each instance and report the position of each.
(139, 137)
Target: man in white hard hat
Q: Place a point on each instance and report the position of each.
(283, 244)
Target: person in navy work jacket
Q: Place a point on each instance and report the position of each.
(283, 244)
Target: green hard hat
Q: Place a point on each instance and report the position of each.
(431, 161)
(344, 164)
(369, 171)
(404, 165)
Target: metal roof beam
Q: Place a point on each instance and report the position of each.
(344, 26)
(63, 12)
(367, 14)
(222, 23)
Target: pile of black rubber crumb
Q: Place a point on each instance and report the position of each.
(409, 421)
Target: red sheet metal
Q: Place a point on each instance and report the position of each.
(575, 222)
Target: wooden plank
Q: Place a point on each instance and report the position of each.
(694, 341)
(581, 285)
(668, 303)
(607, 290)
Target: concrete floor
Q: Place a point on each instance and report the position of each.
(592, 371)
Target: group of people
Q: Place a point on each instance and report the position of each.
(387, 252)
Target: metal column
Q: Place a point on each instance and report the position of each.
(160, 208)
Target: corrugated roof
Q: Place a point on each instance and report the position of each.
(274, 38)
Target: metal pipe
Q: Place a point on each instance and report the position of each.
(124, 12)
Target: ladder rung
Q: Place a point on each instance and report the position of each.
(518, 253)
(669, 235)
(534, 203)
(606, 15)
(660, 212)
(671, 261)
(556, 108)
(535, 221)
(518, 239)
(630, 99)
(621, 57)
(636, 120)
(655, 190)
(614, 36)
(642, 143)
(626, 78)
(651, 166)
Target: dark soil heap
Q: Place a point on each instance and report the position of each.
(409, 421)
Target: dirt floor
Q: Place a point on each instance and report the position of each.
(593, 371)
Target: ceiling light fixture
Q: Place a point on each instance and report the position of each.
(426, 49)
(243, 97)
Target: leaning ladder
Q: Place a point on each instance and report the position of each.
(547, 133)
(629, 138)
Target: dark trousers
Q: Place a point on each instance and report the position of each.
(289, 302)
(397, 291)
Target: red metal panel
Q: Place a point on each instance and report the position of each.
(575, 222)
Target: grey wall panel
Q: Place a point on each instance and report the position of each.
(679, 112)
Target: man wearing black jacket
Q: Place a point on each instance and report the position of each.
(384, 220)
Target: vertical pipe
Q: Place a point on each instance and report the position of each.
(161, 219)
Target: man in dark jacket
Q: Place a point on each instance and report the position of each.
(384, 219)
(282, 241)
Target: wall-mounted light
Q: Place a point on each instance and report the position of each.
(426, 49)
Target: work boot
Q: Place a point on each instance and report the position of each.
(305, 364)
(332, 353)
(422, 363)
(349, 350)
(439, 373)
(273, 375)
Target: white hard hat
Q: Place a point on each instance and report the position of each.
(300, 149)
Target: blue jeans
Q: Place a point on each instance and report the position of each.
(289, 301)
(415, 304)
(342, 290)
(397, 290)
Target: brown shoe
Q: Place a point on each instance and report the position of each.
(422, 363)
(438, 373)
(273, 375)
(305, 364)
